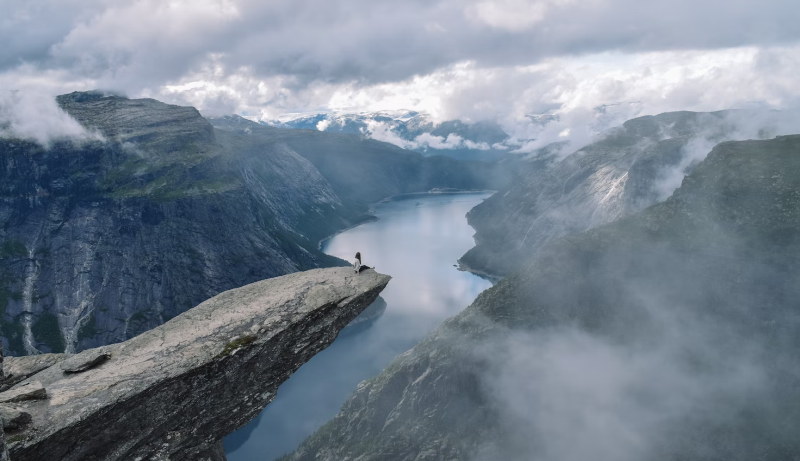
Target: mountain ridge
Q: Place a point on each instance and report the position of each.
(671, 333)
(628, 169)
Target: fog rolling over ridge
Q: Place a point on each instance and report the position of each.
(669, 334)
(555, 192)
(681, 341)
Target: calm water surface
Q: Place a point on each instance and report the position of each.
(417, 240)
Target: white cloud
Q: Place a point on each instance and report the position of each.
(383, 132)
(569, 395)
(514, 15)
(451, 141)
(472, 60)
(36, 117)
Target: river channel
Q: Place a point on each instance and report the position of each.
(416, 239)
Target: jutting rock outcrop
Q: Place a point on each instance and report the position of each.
(174, 391)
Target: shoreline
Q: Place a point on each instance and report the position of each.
(399, 197)
(492, 278)
(366, 218)
(370, 217)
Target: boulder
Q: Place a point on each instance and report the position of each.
(86, 360)
(13, 418)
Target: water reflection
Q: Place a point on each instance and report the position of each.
(417, 241)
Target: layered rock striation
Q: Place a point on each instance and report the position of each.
(175, 391)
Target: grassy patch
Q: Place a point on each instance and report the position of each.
(12, 249)
(137, 323)
(10, 328)
(16, 438)
(12, 331)
(46, 331)
(236, 344)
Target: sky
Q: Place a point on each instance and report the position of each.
(583, 60)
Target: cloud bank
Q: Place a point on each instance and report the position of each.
(27, 115)
(471, 60)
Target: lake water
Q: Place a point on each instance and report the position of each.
(417, 240)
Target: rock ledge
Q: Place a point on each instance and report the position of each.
(175, 391)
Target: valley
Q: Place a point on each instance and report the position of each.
(664, 241)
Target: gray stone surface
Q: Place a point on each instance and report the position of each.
(175, 391)
(86, 360)
(13, 418)
(215, 453)
(151, 124)
(31, 390)
(20, 368)
(3, 450)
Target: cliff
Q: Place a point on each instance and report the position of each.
(103, 240)
(628, 169)
(174, 391)
(3, 449)
(669, 334)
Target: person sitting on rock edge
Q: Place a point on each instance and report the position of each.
(357, 266)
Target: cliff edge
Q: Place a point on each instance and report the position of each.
(174, 391)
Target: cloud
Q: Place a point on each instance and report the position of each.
(751, 123)
(475, 60)
(38, 118)
(383, 132)
(514, 15)
(565, 394)
(451, 141)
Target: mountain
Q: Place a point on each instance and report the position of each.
(629, 168)
(104, 239)
(668, 334)
(364, 170)
(484, 141)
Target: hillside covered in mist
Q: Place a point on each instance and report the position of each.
(669, 334)
(628, 168)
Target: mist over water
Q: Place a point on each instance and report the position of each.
(417, 240)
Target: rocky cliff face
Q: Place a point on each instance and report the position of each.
(174, 391)
(629, 169)
(670, 334)
(152, 126)
(103, 240)
(3, 450)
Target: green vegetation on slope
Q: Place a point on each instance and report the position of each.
(46, 331)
